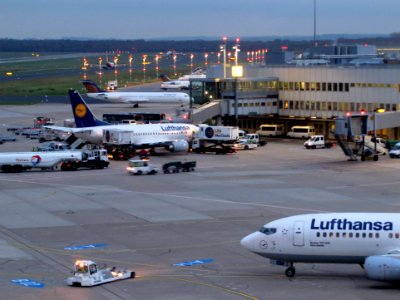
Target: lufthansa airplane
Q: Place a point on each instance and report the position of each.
(173, 136)
(369, 239)
(93, 91)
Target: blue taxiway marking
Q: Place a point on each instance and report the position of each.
(28, 283)
(85, 247)
(193, 262)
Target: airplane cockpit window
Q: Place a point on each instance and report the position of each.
(267, 230)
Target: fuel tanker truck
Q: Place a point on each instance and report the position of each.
(70, 160)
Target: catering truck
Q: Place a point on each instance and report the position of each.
(69, 160)
(215, 139)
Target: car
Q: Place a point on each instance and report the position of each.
(7, 138)
(244, 144)
(141, 167)
(395, 151)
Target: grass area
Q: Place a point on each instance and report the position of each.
(47, 81)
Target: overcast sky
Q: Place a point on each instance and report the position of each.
(132, 19)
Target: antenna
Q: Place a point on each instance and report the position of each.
(315, 23)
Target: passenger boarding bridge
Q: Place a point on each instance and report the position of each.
(228, 98)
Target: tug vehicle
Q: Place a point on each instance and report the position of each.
(87, 273)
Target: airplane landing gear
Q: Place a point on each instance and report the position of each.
(291, 271)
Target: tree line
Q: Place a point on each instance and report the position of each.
(66, 45)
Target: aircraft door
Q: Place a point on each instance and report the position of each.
(298, 233)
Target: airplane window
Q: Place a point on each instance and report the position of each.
(390, 235)
(330, 234)
(318, 234)
(397, 235)
(357, 235)
(324, 234)
(338, 234)
(344, 234)
(377, 235)
(370, 235)
(350, 234)
(364, 235)
(268, 231)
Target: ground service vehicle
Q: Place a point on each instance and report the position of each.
(112, 85)
(177, 166)
(254, 138)
(317, 141)
(301, 132)
(87, 273)
(395, 151)
(215, 139)
(270, 130)
(139, 167)
(244, 144)
(67, 160)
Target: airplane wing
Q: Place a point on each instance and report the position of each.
(68, 129)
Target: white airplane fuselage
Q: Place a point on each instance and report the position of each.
(142, 97)
(142, 133)
(327, 238)
(175, 84)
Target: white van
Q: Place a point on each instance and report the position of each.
(270, 130)
(300, 132)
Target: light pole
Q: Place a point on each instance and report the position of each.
(156, 59)
(144, 57)
(174, 66)
(191, 62)
(237, 72)
(237, 50)
(223, 49)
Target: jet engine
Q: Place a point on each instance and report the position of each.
(178, 146)
(383, 268)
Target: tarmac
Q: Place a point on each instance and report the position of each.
(181, 232)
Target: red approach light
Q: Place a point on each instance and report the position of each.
(348, 114)
(363, 112)
(284, 48)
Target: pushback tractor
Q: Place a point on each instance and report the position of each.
(87, 273)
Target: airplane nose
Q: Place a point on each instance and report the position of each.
(246, 242)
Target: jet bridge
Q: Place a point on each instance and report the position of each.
(207, 111)
(349, 127)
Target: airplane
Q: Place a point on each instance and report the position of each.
(95, 92)
(175, 137)
(368, 239)
(183, 82)
(168, 83)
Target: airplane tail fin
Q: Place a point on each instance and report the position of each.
(91, 87)
(164, 78)
(82, 113)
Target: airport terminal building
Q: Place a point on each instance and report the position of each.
(299, 95)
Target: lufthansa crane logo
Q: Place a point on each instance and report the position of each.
(263, 244)
(80, 110)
